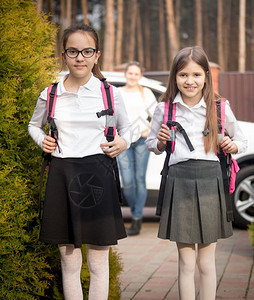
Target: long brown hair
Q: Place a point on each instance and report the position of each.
(182, 58)
(89, 30)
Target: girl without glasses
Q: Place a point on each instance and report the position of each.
(139, 103)
(81, 203)
(194, 212)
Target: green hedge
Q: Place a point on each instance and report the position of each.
(251, 233)
(29, 269)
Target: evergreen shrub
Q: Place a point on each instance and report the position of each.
(251, 233)
(29, 269)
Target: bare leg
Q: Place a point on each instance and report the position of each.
(207, 271)
(97, 260)
(186, 271)
(71, 263)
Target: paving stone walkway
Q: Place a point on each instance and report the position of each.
(150, 266)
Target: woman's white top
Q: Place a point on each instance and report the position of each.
(193, 120)
(80, 130)
(138, 109)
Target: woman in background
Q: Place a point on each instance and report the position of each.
(139, 103)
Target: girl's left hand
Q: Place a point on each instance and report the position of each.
(114, 148)
(227, 145)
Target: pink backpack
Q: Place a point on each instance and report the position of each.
(229, 166)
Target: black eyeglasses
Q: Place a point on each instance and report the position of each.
(73, 53)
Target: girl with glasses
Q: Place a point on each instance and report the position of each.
(81, 202)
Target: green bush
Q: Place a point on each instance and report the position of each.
(29, 269)
(251, 233)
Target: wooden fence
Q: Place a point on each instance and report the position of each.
(238, 88)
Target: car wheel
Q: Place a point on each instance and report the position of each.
(243, 204)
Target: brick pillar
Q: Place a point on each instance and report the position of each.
(215, 76)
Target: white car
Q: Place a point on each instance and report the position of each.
(243, 197)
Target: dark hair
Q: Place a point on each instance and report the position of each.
(89, 30)
(134, 63)
(182, 58)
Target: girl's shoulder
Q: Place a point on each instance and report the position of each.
(122, 89)
(147, 90)
(44, 94)
(161, 105)
(117, 93)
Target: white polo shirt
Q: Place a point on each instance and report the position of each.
(80, 130)
(193, 120)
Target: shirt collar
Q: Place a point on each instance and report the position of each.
(90, 85)
(179, 99)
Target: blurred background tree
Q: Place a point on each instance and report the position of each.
(152, 31)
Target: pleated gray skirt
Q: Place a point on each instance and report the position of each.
(194, 208)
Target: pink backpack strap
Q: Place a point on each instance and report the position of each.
(234, 169)
(222, 110)
(51, 100)
(166, 112)
(109, 112)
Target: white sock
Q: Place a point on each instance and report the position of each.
(71, 263)
(98, 264)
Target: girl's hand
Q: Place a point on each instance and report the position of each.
(227, 145)
(49, 144)
(114, 148)
(162, 136)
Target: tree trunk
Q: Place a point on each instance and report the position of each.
(220, 35)
(62, 16)
(242, 36)
(226, 32)
(84, 11)
(119, 33)
(206, 39)
(147, 38)
(177, 14)
(74, 11)
(126, 29)
(39, 5)
(198, 23)
(133, 26)
(50, 9)
(172, 34)
(68, 12)
(140, 47)
(109, 39)
(163, 65)
(234, 33)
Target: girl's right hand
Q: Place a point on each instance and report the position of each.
(163, 136)
(49, 144)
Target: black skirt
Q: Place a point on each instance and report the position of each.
(194, 207)
(82, 203)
